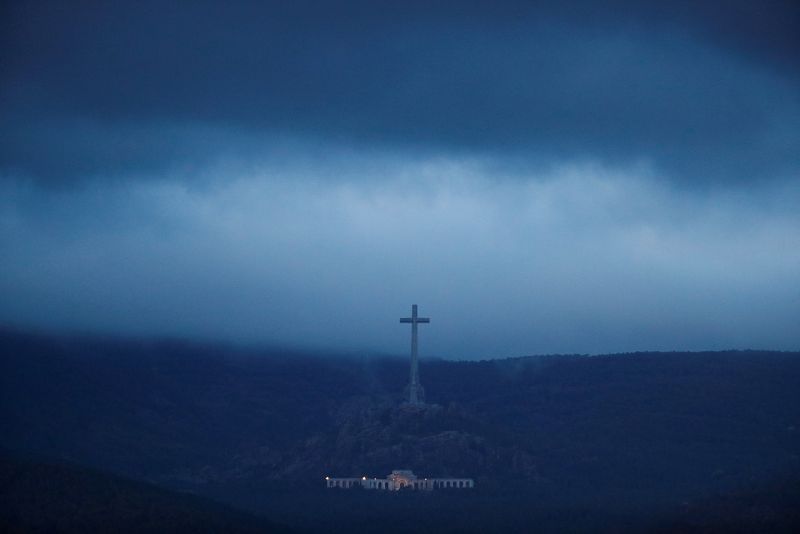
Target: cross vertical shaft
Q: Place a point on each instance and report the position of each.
(416, 394)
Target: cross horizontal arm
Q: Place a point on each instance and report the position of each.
(417, 320)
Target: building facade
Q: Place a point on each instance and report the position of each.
(400, 479)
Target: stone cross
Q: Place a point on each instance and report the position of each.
(416, 395)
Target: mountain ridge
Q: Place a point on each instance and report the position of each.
(641, 431)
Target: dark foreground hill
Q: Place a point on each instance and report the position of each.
(636, 441)
(41, 497)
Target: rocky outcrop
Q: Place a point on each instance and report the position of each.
(370, 438)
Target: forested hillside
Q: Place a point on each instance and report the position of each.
(646, 439)
(42, 497)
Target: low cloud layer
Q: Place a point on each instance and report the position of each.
(582, 259)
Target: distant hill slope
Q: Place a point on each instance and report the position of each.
(627, 433)
(774, 508)
(41, 497)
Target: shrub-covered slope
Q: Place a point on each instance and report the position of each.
(42, 497)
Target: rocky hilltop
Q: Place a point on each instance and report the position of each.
(372, 438)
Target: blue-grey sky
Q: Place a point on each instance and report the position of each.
(538, 177)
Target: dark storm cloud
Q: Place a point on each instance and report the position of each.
(707, 93)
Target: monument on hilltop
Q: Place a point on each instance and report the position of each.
(405, 479)
(416, 395)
